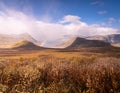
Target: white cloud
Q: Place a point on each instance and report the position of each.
(71, 19)
(12, 22)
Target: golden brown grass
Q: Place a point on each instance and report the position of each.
(51, 74)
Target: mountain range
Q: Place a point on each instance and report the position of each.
(26, 41)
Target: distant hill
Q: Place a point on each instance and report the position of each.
(26, 45)
(8, 40)
(113, 38)
(78, 42)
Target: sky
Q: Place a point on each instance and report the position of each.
(48, 20)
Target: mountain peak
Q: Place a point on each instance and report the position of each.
(8, 40)
(27, 45)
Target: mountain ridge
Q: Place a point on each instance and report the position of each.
(82, 42)
(26, 45)
(112, 38)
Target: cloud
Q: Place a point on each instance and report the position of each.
(70, 19)
(102, 12)
(16, 22)
(97, 3)
(111, 21)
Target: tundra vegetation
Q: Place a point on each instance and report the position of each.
(52, 74)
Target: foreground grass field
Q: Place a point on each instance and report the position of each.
(52, 71)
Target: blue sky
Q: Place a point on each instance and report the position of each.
(44, 19)
(91, 11)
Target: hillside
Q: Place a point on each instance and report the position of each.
(26, 45)
(81, 42)
(113, 38)
(8, 40)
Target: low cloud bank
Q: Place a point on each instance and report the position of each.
(12, 22)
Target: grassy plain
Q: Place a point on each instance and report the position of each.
(88, 70)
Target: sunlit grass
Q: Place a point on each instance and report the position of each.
(50, 74)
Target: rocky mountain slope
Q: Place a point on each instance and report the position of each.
(113, 38)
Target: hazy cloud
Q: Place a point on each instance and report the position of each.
(97, 3)
(111, 21)
(12, 22)
(119, 20)
(102, 12)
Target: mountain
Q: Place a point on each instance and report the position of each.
(78, 42)
(8, 40)
(113, 38)
(26, 45)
